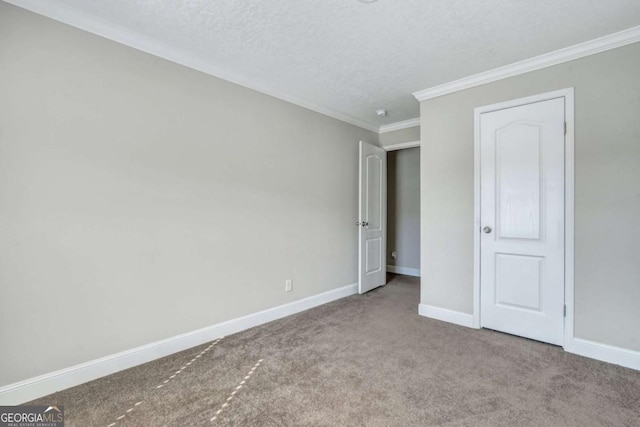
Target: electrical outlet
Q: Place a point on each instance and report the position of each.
(288, 285)
(393, 255)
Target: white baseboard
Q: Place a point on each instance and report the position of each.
(604, 352)
(594, 350)
(403, 270)
(33, 388)
(446, 315)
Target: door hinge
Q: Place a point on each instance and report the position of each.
(565, 128)
(564, 313)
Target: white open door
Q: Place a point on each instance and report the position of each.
(522, 245)
(372, 223)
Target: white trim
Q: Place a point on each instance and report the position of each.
(403, 270)
(476, 220)
(611, 41)
(84, 21)
(405, 124)
(604, 352)
(401, 145)
(569, 214)
(568, 95)
(446, 315)
(33, 388)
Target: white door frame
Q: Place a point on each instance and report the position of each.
(569, 183)
(401, 146)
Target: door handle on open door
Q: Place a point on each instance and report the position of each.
(487, 229)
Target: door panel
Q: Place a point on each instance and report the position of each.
(522, 216)
(519, 281)
(374, 247)
(518, 181)
(374, 192)
(372, 224)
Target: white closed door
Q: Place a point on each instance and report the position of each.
(522, 220)
(372, 222)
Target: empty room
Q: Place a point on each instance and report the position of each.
(305, 213)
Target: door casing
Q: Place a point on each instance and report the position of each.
(569, 184)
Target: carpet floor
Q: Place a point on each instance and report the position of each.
(366, 360)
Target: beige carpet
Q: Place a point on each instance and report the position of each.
(365, 360)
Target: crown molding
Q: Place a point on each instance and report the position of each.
(612, 41)
(405, 124)
(67, 15)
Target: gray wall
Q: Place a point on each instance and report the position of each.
(403, 207)
(607, 191)
(398, 136)
(140, 199)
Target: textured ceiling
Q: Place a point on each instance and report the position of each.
(353, 58)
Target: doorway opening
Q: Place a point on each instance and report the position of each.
(403, 212)
(377, 258)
